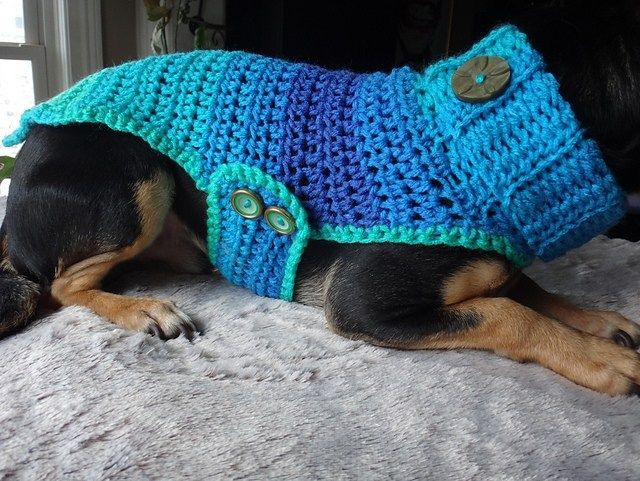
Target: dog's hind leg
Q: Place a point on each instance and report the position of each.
(84, 199)
(78, 284)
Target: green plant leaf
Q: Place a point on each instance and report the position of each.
(183, 13)
(155, 11)
(200, 38)
(6, 166)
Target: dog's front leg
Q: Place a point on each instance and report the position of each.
(512, 330)
(412, 298)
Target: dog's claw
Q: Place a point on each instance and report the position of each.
(624, 339)
(164, 320)
(188, 329)
(154, 330)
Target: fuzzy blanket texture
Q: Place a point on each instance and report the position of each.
(267, 392)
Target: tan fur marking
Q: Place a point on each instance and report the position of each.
(480, 278)
(177, 247)
(312, 291)
(598, 323)
(154, 199)
(59, 268)
(79, 284)
(4, 262)
(519, 333)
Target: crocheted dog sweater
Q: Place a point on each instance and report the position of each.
(358, 158)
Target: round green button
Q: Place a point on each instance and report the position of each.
(481, 78)
(280, 220)
(247, 203)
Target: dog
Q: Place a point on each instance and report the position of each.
(85, 199)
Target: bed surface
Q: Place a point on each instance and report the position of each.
(269, 392)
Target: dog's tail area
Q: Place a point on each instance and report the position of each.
(18, 295)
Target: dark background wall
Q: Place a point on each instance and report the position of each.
(364, 35)
(119, 31)
(357, 34)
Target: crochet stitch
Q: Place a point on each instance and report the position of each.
(359, 157)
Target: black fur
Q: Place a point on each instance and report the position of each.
(593, 49)
(18, 295)
(71, 196)
(393, 294)
(18, 301)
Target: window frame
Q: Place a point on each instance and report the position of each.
(63, 41)
(31, 50)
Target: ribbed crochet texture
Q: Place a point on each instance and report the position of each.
(359, 157)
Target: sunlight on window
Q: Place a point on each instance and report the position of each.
(16, 95)
(11, 21)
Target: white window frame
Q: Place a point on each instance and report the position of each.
(63, 41)
(31, 50)
(71, 31)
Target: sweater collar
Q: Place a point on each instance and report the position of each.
(523, 147)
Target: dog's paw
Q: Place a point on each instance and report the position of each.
(160, 318)
(609, 368)
(618, 328)
(168, 322)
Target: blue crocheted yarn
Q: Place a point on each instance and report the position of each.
(359, 157)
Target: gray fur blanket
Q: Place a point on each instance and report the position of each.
(268, 392)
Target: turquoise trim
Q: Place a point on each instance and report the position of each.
(187, 158)
(243, 175)
(436, 235)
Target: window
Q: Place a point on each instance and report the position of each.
(23, 81)
(45, 47)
